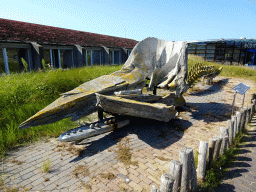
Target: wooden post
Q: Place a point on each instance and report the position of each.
(212, 143)
(247, 116)
(175, 171)
(184, 159)
(167, 183)
(230, 131)
(223, 134)
(235, 125)
(238, 116)
(193, 176)
(251, 114)
(217, 148)
(242, 119)
(203, 147)
(253, 104)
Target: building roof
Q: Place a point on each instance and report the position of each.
(242, 39)
(18, 31)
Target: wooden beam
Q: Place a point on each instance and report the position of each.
(117, 105)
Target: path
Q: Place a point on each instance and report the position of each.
(152, 144)
(242, 174)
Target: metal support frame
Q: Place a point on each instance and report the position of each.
(72, 57)
(5, 57)
(91, 58)
(119, 57)
(29, 59)
(86, 58)
(100, 115)
(59, 58)
(51, 59)
(113, 58)
(100, 57)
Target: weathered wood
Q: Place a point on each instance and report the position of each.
(117, 105)
(251, 113)
(230, 131)
(93, 129)
(234, 118)
(142, 97)
(172, 99)
(223, 134)
(184, 159)
(175, 171)
(217, 148)
(167, 181)
(238, 116)
(193, 175)
(246, 116)
(253, 104)
(226, 143)
(212, 143)
(189, 178)
(202, 156)
(242, 119)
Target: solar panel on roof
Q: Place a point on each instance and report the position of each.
(241, 88)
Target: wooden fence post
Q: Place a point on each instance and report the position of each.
(193, 176)
(235, 125)
(253, 103)
(212, 143)
(184, 159)
(238, 116)
(251, 111)
(230, 131)
(242, 119)
(217, 148)
(201, 166)
(247, 116)
(175, 171)
(223, 134)
(167, 183)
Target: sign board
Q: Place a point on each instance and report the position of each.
(241, 88)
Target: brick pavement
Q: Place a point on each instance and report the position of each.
(241, 176)
(153, 144)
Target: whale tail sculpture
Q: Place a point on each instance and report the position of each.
(164, 63)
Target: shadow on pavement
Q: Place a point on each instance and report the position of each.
(158, 135)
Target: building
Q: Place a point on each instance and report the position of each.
(225, 51)
(57, 47)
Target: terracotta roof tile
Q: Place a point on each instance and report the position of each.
(16, 30)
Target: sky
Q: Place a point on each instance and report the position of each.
(171, 20)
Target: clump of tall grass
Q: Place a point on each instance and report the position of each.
(24, 94)
(25, 64)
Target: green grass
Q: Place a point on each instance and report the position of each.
(24, 94)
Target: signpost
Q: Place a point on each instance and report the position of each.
(241, 89)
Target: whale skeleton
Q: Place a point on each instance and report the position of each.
(163, 63)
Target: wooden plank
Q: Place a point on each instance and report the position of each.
(117, 105)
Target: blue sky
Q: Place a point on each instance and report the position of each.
(172, 20)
